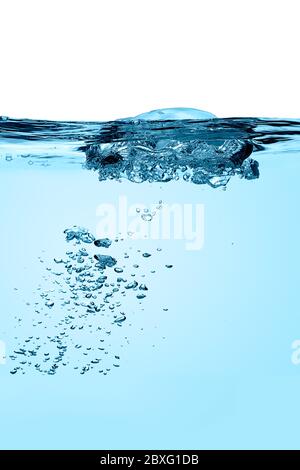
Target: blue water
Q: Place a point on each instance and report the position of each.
(141, 342)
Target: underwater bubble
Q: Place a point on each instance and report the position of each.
(140, 296)
(147, 217)
(120, 319)
(146, 255)
(105, 261)
(79, 234)
(131, 285)
(103, 243)
(118, 270)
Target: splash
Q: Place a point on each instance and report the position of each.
(159, 146)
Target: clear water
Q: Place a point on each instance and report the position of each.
(142, 338)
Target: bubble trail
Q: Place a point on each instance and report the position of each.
(83, 303)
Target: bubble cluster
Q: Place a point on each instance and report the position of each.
(81, 303)
(163, 160)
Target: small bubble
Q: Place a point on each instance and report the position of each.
(118, 270)
(143, 287)
(131, 285)
(120, 319)
(79, 234)
(140, 296)
(103, 242)
(147, 217)
(105, 261)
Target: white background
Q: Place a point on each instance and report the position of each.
(98, 60)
